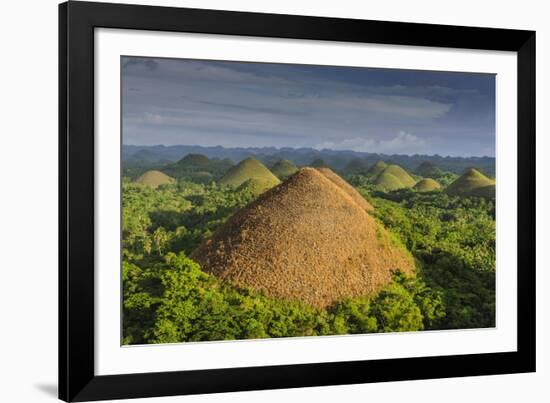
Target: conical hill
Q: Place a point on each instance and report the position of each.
(249, 168)
(393, 177)
(400, 174)
(427, 185)
(388, 182)
(377, 168)
(154, 179)
(470, 183)
(283, 169)
(346, 187)
(304, 240)
(193, 160)
(428, 170)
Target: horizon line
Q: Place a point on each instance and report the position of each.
(310, 148)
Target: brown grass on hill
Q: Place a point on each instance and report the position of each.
(306, 240)
(346, 187)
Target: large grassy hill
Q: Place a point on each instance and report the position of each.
(247, 169)
(428, 170)
(471, 183)
(388, 182)
(427, 185)
(283, 169)
(377, 169)
(400, 174)
(194, 161)
(306, 240)
(154, 179)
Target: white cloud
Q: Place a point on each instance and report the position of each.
(154, 118)
(402, 143)
(407, 107)
(278, 105)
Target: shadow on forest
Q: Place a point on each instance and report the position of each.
(468, 294)
(171, 219)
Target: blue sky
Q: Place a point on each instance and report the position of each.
(235, 104)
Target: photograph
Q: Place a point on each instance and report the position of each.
(268, 200)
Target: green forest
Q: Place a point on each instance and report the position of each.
(446, 223)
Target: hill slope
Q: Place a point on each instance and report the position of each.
(194, 160)
(428, 170)
(304, 240)
(283, 169)
(357, 165)
(154, 179)
(393, 177)
(388, 182)
(249, 168)
(319, 163)
(377, 168)
(256, 186)
(346, 187)
(198, 168)
(427, 185)
(489, 192)
(400, 174)
(469, 183)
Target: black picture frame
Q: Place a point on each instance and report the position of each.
(77, 21)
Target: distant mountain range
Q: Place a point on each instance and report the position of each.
(133, 155)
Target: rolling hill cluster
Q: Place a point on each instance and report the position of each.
(338, 160)
(216, 250)
(253, 175)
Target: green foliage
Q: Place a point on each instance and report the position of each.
(396, 311)
(407, 304)
(446, 178)
(174, 301)
(454, 240)
(186, 304)
(174, 217)
(353, 316)
(357, 166)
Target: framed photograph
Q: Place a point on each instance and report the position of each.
(256, 201)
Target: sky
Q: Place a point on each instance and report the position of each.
(242, 104)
